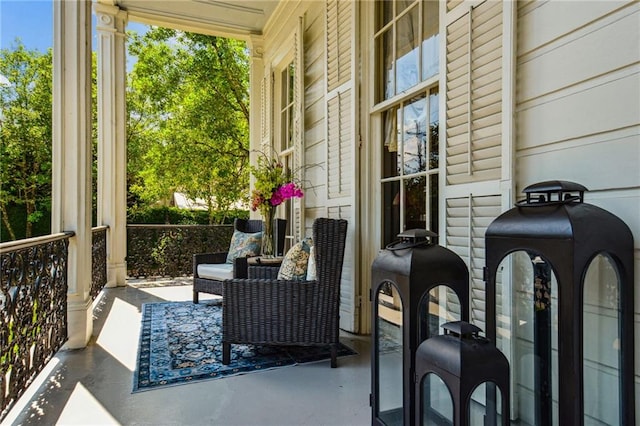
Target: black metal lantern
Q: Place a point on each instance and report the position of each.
(461, 379)
(559, 280)
(417, 286)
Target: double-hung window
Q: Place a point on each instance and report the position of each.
(407, 99)
(285, 80)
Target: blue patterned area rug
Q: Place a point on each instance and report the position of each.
(180, 343)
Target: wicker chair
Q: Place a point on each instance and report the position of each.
(214, 286)
(277, 312)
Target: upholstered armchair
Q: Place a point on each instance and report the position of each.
(211, 269)
(289, 312)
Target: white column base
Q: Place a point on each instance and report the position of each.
(79, 323)
(116, 275)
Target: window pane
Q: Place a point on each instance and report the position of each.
(433, 203)
(391, 159)
(414, 136)
(416, 207)
(287, 78)
(290, 125)
(384, 45)
(284, 88)
(430, 39)
(434, 133)
(287, 128)
(391, 211)
(385, 14)
(283, 126)
(401, 5)
(407, 57)
(416, 56)
(292, 74)
(284, 116)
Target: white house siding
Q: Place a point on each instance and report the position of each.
(578, 119)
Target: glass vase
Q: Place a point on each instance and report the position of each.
(267, 249)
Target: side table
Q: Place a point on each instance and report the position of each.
(264, 261)
(263, 267)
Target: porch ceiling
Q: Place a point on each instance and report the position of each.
(229, 18)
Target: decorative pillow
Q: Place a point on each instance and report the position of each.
(311, 266)
(294, 264)
(243, 245)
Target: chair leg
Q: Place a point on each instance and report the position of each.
(334, 355)
(195, 297)
(226, 353)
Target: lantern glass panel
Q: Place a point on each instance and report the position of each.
(527, 333)
(485, 405)
(601, 363)
(440, 306)
(389, 353)
(437, 402)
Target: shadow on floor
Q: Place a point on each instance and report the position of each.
(93, 385)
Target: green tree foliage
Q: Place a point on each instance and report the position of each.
(25, 135)
(188, 118)
(187, 129)
(26, 140)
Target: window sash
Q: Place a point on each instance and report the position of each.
(407, 45)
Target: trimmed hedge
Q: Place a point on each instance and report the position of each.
(176, 216)
(144, 215)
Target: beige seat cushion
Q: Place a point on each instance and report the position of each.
(215, 271)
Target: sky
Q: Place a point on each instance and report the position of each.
(32, 22)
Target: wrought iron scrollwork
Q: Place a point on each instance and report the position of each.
(167, 250)
(98, 260)
(33, 310)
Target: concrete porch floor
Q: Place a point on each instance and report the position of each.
(92, 386)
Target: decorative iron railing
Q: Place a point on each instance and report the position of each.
(167, 250)
(33, 310)
(98, 260)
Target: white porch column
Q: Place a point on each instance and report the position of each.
(256, 101)
(112, 149)
(256, 75)
(71, 163)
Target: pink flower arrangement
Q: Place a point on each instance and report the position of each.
(273, 185)
(284, 192)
